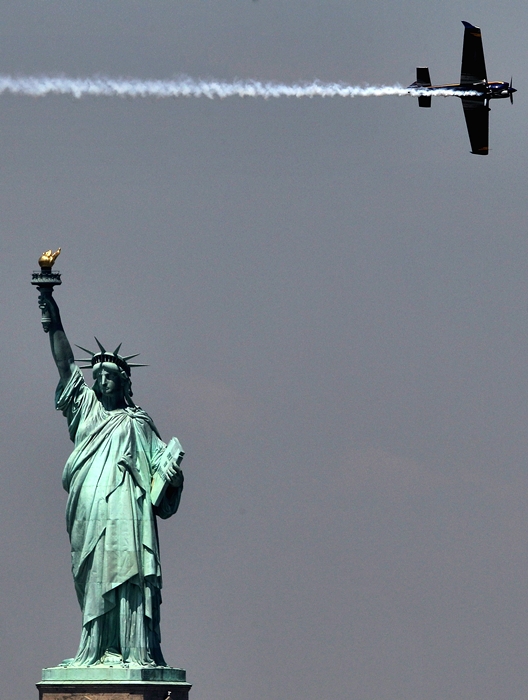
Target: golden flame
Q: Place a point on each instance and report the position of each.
(48, 258)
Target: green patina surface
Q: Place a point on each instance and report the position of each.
(111, 517)
(97, 674)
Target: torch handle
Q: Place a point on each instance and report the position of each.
(44, 280)
(45, 292)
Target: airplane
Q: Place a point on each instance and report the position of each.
(472, 78)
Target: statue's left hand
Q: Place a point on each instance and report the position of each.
(174, 476)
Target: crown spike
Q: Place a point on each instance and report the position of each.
(104, 356)
(85, 350)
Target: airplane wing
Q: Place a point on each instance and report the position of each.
(476, 113)
(473, 64)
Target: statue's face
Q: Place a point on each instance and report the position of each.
(109, 380)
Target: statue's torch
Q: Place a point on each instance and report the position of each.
(44, 280)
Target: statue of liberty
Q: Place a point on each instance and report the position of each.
(111, 511)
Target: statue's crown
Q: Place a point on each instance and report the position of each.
(113, 357)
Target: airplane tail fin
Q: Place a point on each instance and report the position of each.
(423, 80)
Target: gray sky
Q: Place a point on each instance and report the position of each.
(332, 297)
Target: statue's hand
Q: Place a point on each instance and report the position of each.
(47, 303)
(174, 476)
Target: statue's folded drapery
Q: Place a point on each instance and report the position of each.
(112, 526)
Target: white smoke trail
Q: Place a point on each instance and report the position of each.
(189, 87)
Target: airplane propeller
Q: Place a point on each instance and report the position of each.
(511, 89)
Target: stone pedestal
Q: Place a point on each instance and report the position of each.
(113, 691)
(113, 683)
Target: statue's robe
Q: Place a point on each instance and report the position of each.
(112, 526)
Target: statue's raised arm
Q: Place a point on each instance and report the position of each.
(60, 345)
